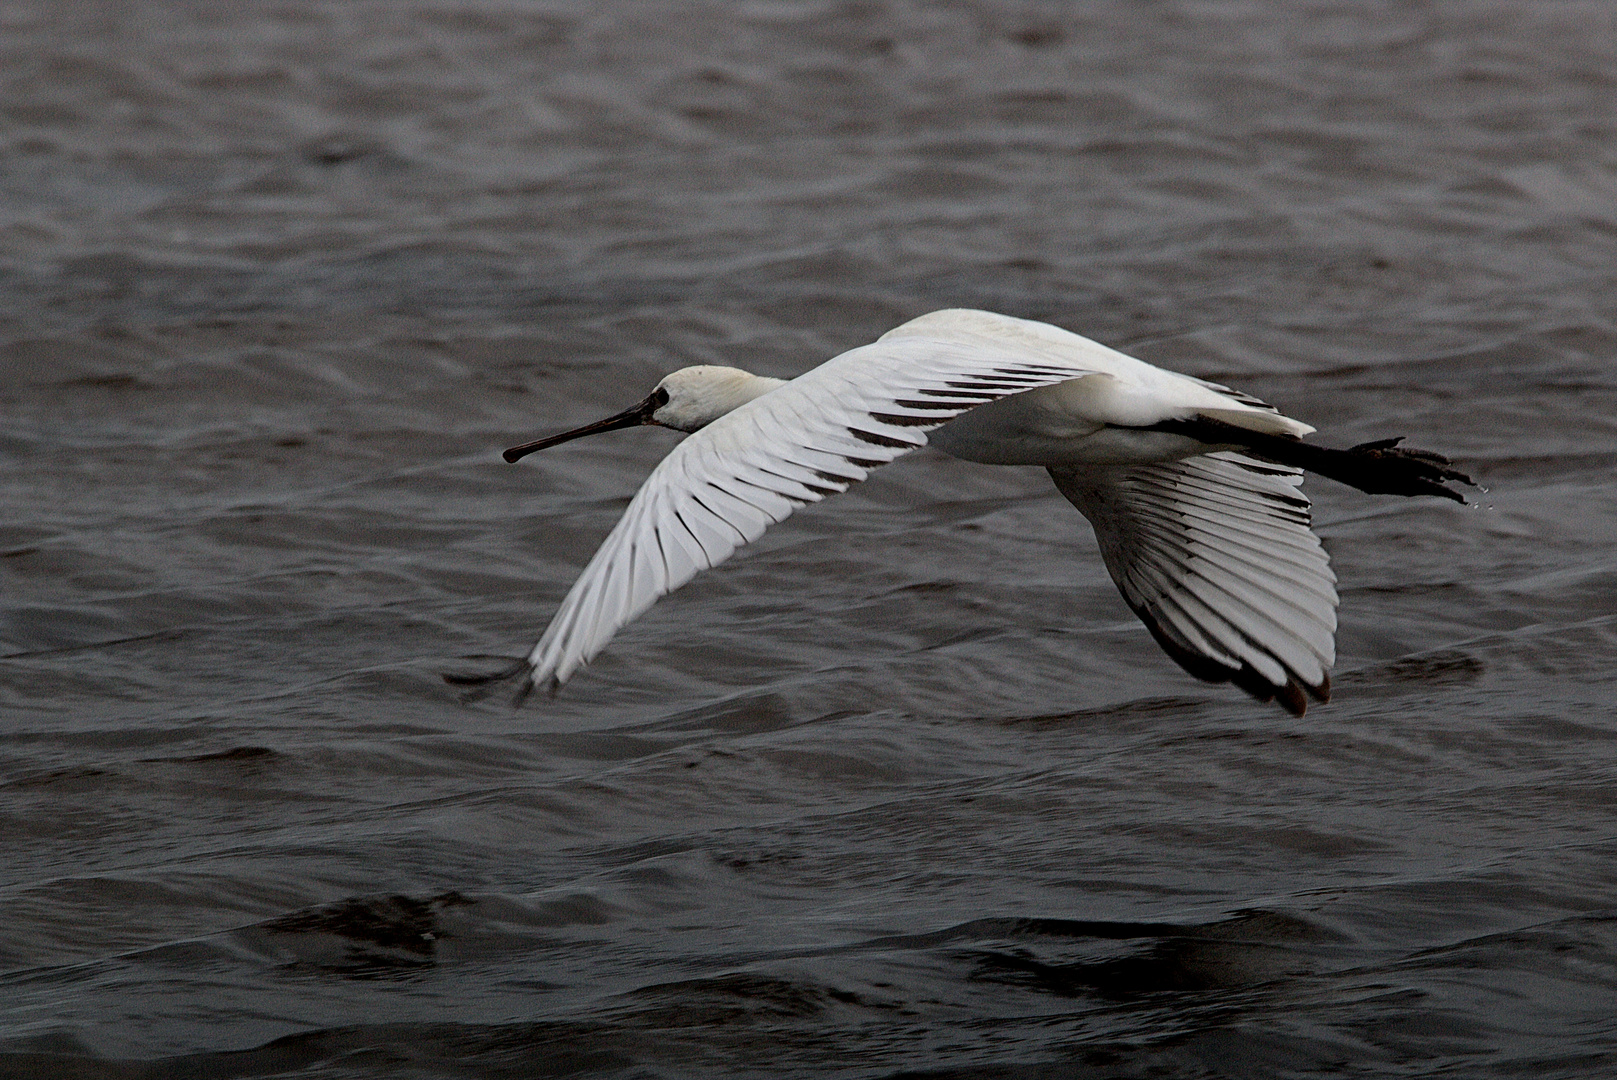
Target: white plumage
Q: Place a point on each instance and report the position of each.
(1209, 544)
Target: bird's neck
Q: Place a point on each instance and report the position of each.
(755, 387)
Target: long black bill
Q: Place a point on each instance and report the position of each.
(630, 417)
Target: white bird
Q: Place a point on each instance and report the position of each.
(1192, 488)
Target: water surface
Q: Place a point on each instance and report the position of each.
(904, 788)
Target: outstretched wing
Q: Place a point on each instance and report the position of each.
(1215, 555)
(723, 486)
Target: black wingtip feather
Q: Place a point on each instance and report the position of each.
(484, 683)
(525, 688)
(1289, 697)
(1322, 692)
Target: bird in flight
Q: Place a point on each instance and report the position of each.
(1192, 488)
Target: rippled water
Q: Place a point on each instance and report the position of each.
(904, 787)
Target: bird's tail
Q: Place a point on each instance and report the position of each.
(1378, 468)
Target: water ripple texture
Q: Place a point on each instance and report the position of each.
(904, 788)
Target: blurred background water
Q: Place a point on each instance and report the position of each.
(904, 788)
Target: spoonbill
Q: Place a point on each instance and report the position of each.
(1192, 488)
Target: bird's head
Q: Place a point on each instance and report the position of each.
(686, 400)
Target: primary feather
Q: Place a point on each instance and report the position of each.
(812, 437)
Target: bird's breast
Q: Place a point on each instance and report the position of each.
(1080, 422)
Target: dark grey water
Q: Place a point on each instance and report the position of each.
(904, 788)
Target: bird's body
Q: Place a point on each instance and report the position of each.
(1094, 420)
(1191, 486)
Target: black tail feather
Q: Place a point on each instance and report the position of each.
(1381, 467)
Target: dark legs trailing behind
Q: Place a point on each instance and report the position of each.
(1377, 468)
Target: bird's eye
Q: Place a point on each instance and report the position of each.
(660, 397)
